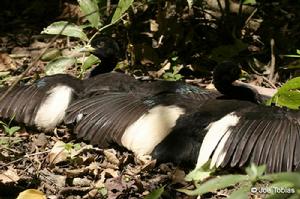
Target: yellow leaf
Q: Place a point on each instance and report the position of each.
(31, 194)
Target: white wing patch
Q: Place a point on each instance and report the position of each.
(216, 137)
(52, 110)
(150, 129)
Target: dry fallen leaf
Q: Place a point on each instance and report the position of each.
(31, 194)
(178, 176)
(9, 176)
(111, 156)
(82, 182)
(58, 180)
(6, 62)
(58, 153)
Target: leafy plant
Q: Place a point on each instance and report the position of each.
(91, 10)
(156, 194)
(9, 130)
(173, 75)
(285, 185)
(71, 146)
(288, 95)
(295, 56)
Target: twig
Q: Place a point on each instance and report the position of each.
(106, 26)
(272, 62)
(250, 17)
(22, 158)
(269, 82)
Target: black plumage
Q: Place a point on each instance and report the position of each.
(173, 121)
(232, 130)
(31, 104)
(23, 102)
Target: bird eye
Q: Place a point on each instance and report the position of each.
(101, 44)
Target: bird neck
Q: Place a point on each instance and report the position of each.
(107, 65)
(238, 91)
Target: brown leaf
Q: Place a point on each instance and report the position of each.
(9, 176)
(110, 173)
(154, 26)
(111, 156)
(58, 180)
(6, 63)
(82, 182)
(178, 176)
(58, 153)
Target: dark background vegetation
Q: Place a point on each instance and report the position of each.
(156, 32)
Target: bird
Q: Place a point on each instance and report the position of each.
(190, 128)
(235, 132)
(107, 50)
(43, 103)
(172, 121)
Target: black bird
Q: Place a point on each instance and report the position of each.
(43, 103)
(173, 121)
(232, 133)
(107, 50)
(189, 127)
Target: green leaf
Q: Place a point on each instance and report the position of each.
(90, 61)
(13, 129)
(282, 184)
(51, 54)
(65, 28)
(294, 196)
(281, 189)
(6, 129)
(241, 193)
(199, 174)
(292, 177)
(103, 191)
(288, 95)
(59, 65)
(4, 73)
(122, 7)
(251, 2)
(91, 11)
(298, 51)
(254, 171)
(293, 56)
(155, 194)
(216, 183)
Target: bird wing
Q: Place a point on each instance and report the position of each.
(23, 101)
(102, 119)
(263, 135)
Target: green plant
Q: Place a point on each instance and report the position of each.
(156, 194)
(284, 185)
(71, 146)
(9, 130)
(294, 56)
(288, 95)
(91, 11)
(173, 74)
